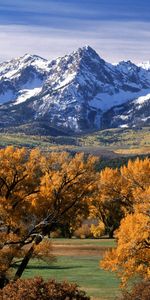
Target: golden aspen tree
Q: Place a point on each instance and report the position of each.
(38, 191)
(107, 204)
(131, 257)
(116, 192)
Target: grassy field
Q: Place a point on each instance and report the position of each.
(111, 142)
(78, 261)
(119, 138)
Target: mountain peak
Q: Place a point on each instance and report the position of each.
(76, 92)
(126, 63)
(87, 51)
(27, 56)
(127, 66)
(87, 48)
(31, 57)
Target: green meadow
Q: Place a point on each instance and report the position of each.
(78, 261)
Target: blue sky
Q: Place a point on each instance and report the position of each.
(116, 29)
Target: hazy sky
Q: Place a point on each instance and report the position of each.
(116, 29)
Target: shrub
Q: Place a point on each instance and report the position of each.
(98, 230)
(140, 291)
(56, 234)
(38, 289)
(83, 232)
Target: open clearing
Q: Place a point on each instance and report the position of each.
(78, 261)
(111, 143)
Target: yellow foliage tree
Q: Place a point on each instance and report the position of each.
(38, 191)
(107, 205)
(131, 257)
(116, 192)
(98, 230)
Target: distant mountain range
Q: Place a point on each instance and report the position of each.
(76, 93)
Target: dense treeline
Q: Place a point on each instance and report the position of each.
(40, 193)
(119, 161)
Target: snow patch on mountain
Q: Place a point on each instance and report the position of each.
(105, 101)
(26, 94)
(124, 126)
(145, 119)
(142, 99)
(145, 65)
(65, 81)
(133, 113)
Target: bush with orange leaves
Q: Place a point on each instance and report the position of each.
(38, 289)
(140, 291)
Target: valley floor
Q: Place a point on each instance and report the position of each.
(78, 261)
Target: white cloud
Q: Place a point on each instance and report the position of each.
(114, 41)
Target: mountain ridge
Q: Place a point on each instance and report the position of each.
(76, 93)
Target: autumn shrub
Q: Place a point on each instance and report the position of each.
(56, 234)
(98, 230)
(38, 289)
(140, 291)
(83, 232)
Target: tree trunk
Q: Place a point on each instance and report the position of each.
(3, 281)
(111, 233)
(27, 257)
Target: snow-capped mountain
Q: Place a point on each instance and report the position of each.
(145, 65)
(75, 93)
(22, 78)
(135, 113)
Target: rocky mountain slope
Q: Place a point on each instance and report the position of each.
(76, 93)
